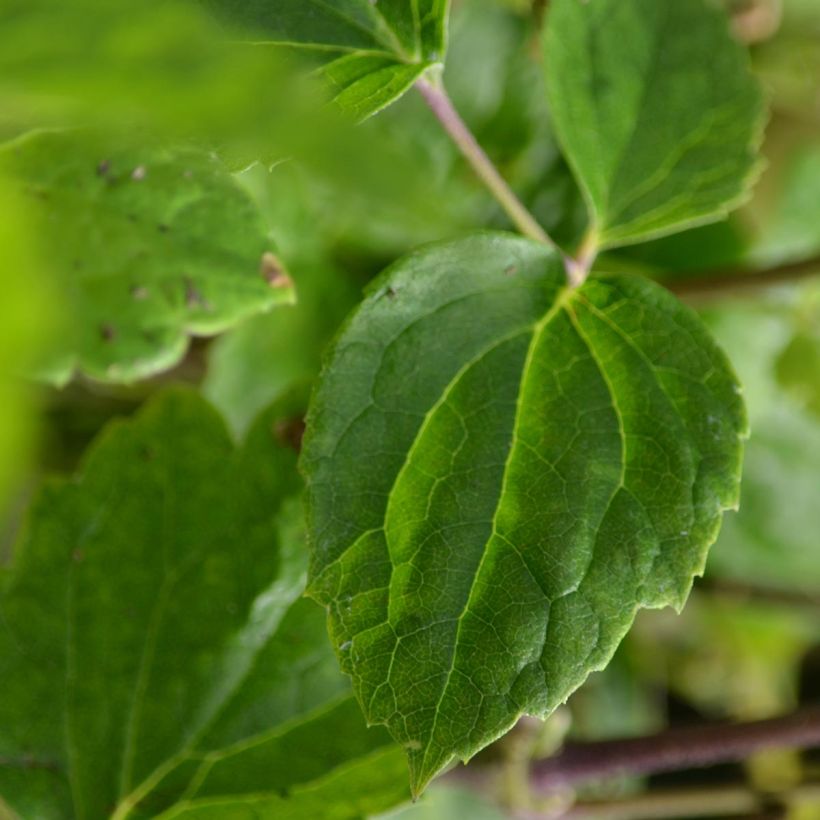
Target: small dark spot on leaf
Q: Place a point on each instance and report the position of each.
(107, 332)
(289, 432)
(139, 173)
(147, 453)
(104, 168)
(193, 296)
(273, 272)
(132, 217)
(162, 228)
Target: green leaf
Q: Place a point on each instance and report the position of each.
(155, 653)
(149, 245)
(501, 472)
(267, 356)
(26, 320)
(656, 109)
(376, 50)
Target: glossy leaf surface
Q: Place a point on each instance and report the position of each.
(501, 472)
(656, 109)
(148, 245)
(156, 656)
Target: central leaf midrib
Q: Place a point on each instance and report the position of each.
(537, 332)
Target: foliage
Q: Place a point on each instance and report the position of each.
(511, 446)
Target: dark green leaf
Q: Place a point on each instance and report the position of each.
(657, 112)
(155, 653)
(501, 472)
(377, 49)
(149, 245)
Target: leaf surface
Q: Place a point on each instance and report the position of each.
(155, 651)
(377, 50)
(501, 472)
(656, 110)
(149, 245)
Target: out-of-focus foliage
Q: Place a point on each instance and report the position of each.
(145, 245)
(155, 652)
(27, 319)
(269, 354)
(375, 51)
(773, 539)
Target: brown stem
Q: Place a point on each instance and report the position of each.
(675, 749)
(731, 280)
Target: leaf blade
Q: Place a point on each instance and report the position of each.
(466, 584)
(212, 660)
(381, 48)
(656, 110)
(153, 246)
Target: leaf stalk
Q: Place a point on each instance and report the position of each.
(441, 105)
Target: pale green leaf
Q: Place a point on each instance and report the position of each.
(154, 648)
(656, 109)
(376, 50)
(501, 472)
(267, 356)
(26, 318)
(149, 245)
(773, 541)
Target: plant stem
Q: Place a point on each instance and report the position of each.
(732, 801)
(440, 104)
(675, 749)
(578, 267)
(730, 280)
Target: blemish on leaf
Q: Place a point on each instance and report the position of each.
(273, 272)
(139, 293)
(289, 432)
(104, 168)
(193, 296)
(139, 173)
(413, 745)
(511, 270)
(107, 332)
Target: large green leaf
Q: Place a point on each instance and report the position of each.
(155, 653)
(501, 472)
(149, 245)
(377, 50)
(656, 110)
